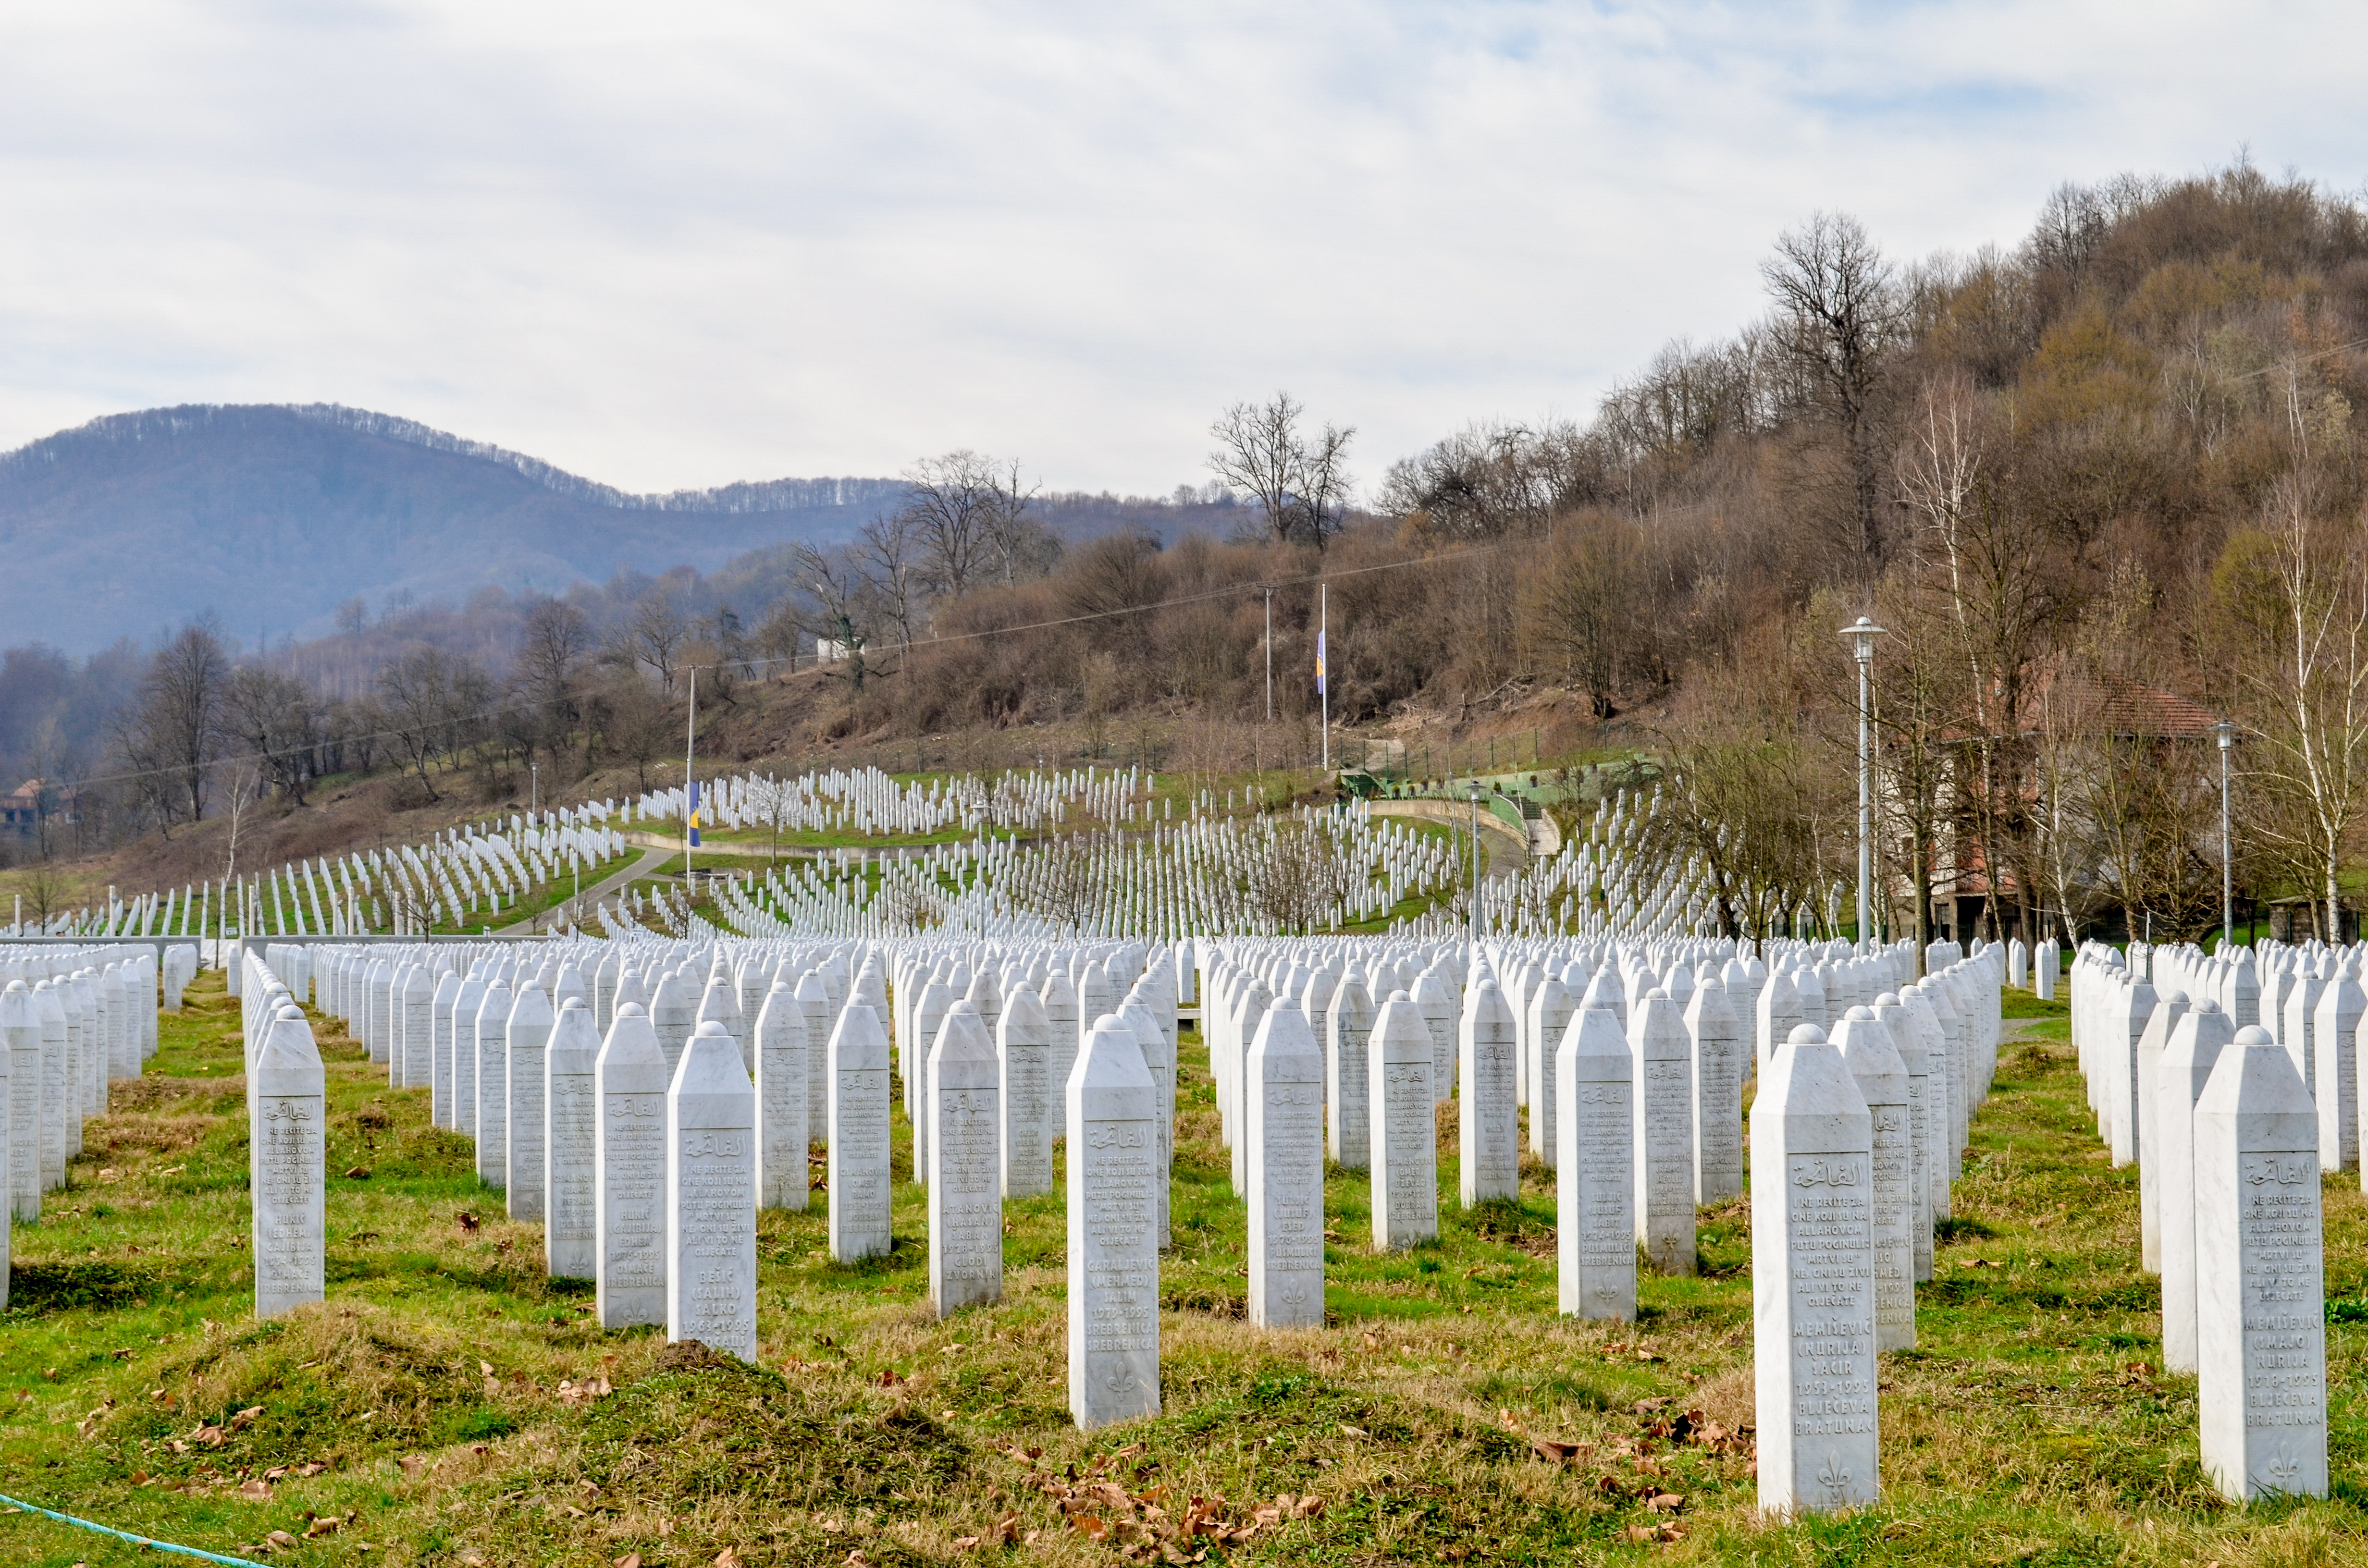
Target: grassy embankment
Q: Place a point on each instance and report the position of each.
(448, 1403)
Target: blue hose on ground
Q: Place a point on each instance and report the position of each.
(127, 1535)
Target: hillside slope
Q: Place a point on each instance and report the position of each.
(271, 516)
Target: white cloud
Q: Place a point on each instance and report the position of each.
(684, 244)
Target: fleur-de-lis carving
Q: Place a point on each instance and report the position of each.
(1294, 1296)
(1835, 1477)
(2283, 1468)
(1117, 1380)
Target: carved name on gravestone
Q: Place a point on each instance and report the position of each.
(571, 1228)
(631, 1175)
(858, 1178)
(711, 1197)
(1813, 1282)
(965, 1191)
(1113, 1246)
(1403, 1138)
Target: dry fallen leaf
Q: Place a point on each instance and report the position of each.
(323, 1526)
(631, 1560)
(411, 1464)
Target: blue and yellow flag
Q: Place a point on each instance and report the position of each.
(1319, 662)
(694, 813)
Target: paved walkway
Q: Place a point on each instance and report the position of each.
(1509, 849)
(640, 866)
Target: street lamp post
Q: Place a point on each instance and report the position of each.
(2226, 732)
(1863, 636)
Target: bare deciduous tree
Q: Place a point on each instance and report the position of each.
(1838, 313)
(2296, 591)
(1299, 482)
(655, 636)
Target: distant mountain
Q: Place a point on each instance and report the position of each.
(272, 515)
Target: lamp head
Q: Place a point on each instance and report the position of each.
(1862, 634)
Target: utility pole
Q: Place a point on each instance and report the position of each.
(1323, 685)
(689, 780)
(1269, 654)
(1475, 859)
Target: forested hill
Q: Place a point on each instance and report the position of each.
(271, 516)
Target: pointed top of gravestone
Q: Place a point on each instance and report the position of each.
(575, 1042)
(2255, 1078)
(710, 1065)
(1110, 1058)
(857, 1041)
(1595, 1037)
(532, 1006)
(963, 1036)
(632, 1040)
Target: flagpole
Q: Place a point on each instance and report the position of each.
(1323, 676)
(689, 780)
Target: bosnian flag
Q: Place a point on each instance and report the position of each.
(694, 813)
(1319, 661)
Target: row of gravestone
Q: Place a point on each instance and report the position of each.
(2230, 1080)
(673, 1164)
(72, 1020)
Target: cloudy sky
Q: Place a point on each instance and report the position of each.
(684, 244)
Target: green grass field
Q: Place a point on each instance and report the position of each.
(449, 1405)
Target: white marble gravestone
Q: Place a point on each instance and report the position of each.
(966, 1164)
(20, 1037)
(291, 1151)
(2194, 1048)
(417, 1068)
(439, 1045)
(1402, 1141)
(571, 1226)
(1488, 1150)
(1159, 1056)
(1436, 1000)
(1595, 1182)
(1874, 1062)
(630, 1174)
(1665, 1133)
(1284, 1118)
(527, 1039)
(783, 1084)
(1813, 1282)
(1113, 1246)
(2335, 1046)
(1908, 1041)
(711, 1206)
(2167, 1011)
(858, 1180)
(1715, 1040)
(2261, 1296)
(492, 1130)
(1348, 1031)
(1031, 1097)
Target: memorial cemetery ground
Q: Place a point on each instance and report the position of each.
(449, 1404)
